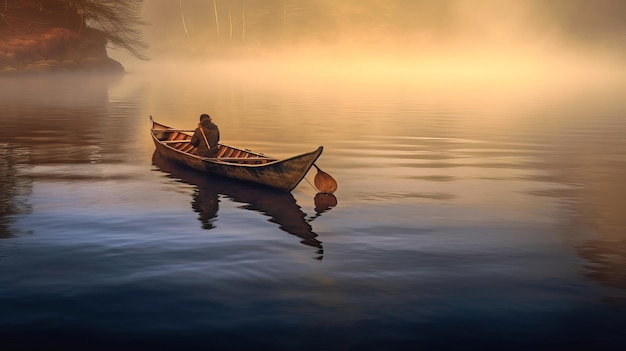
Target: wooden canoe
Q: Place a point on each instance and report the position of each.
(232, 162)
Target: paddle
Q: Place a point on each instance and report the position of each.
(324, 182)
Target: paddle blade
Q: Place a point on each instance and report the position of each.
(324, 182)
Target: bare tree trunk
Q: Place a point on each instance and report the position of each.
(182, 14)
(82, 20)
(243, 21)
(217, 21)
(285, 17)
(230, 23)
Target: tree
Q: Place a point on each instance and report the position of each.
(117, 21)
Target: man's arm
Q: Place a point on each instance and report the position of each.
(195, 139)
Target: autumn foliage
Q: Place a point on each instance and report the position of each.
(52, 35)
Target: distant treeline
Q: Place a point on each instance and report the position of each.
(216, 23)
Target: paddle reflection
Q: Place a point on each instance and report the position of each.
(280, 206)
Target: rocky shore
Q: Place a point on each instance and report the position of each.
(56, 50)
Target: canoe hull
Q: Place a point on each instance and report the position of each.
(283, 174)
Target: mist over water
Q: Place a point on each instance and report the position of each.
(453, 36)
(480, 200)
(478, 48)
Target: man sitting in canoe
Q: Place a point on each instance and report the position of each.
(206, 137)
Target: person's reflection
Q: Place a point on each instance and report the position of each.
(280, 206)
(206, 203)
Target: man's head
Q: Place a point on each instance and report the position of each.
(204, 116)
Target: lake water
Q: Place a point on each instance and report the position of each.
(470, 215)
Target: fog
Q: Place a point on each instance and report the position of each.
(479, 151)
(186, 27)
(470, 51)
(406, 28)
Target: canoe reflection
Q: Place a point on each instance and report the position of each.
(280, 206)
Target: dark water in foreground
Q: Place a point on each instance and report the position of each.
(466, 218)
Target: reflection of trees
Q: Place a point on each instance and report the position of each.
(594, 167)
(607, 262)
(13, 186)
(55, 121)
(601, 208)
(604, 201)
(280, 206)
(63, 119)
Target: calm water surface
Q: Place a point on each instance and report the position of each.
(468, 216)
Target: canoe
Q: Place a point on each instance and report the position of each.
(232, 162)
